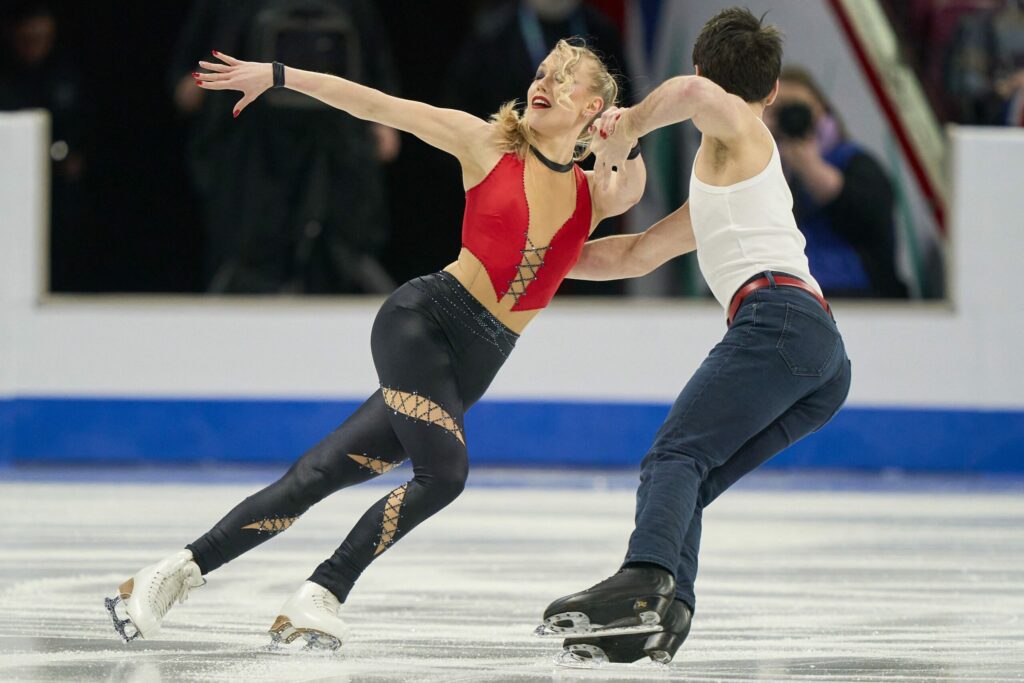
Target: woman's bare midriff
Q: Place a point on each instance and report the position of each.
(470, 272)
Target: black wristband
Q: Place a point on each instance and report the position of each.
(633, 154)
(278, 75)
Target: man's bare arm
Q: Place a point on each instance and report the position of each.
(715, 112)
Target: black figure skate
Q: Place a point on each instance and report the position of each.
(592, 651)
(632, 601)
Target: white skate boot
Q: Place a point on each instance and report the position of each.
(149, 594)
(312, 613)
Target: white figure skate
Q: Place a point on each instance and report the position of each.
(312, 614)
(150, 594)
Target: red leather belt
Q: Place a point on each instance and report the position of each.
(763, 282)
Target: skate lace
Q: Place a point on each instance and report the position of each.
(326, 601)
(174, 587)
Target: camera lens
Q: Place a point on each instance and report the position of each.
(795, 120)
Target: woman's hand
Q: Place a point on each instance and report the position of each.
(618, 182)
(612, 144)
(251, 78)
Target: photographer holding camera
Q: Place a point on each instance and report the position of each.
(842, 198)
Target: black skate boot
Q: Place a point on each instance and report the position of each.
(660, 647)
(632, 601)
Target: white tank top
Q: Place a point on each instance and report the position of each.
(747, 228)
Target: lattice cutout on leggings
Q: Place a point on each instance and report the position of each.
(272, 525)
(422, 408)
(389, 522)
(529, 266)
(373, 464)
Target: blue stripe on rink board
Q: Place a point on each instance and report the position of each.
(154, 431)
(6, 431)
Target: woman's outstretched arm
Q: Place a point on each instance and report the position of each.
(452, 131)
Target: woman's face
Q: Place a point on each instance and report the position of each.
(543, 111)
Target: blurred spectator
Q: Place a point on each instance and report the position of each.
(843, 200)
(499, 59)
(293, 191)
(34, 74)
(985, 69)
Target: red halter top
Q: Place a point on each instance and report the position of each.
(495, 228)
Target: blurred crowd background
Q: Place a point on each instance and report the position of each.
(155, 188)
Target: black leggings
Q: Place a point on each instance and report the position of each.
(436, 350)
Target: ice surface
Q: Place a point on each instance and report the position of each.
(797, 583)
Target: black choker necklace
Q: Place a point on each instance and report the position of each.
(553, 165)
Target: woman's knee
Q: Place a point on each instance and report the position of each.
(445, 483)
(306, 483)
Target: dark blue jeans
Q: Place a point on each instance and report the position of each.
(780, 373)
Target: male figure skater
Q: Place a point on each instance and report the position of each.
(780, 372)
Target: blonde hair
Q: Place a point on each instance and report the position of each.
(515, 135)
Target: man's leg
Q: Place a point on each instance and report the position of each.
(809, 415)
(781, 347)
(743, 386)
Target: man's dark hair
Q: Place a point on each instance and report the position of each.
(738, 53)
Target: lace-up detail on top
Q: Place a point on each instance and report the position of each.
(496, 230)
(533, 259)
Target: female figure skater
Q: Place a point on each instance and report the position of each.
(438, 341)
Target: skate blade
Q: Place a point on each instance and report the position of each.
(581, 657)
(650, 664)
(578, 624)
(318, 641)
(120, 625)
(284, 633)
(574, 659)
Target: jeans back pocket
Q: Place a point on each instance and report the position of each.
(807, 344)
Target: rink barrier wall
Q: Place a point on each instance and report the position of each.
(8, 432)
(563, 434)
(144, 379)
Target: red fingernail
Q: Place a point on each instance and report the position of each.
(195, 74)
(215, 53)
(199, 82)
(237, 113)
(604, 135)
